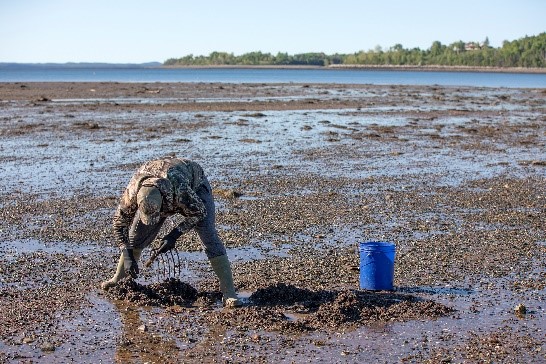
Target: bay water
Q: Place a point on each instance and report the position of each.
(267, 75)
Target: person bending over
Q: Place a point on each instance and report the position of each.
(159, 189)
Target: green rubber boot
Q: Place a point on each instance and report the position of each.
(120, 271)
(222, 268)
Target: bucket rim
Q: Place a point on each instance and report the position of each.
(377, 244)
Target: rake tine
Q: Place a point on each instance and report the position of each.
(171, 262)
(163, 265)
(166, 268)
(159, 262)
(178, 263)
(175, 257)
(174, 263)
(156, 268)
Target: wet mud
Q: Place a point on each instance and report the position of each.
(171, 292)
(285, 307)
(301, 174)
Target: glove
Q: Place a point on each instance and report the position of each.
(167, 243)
(129, 263)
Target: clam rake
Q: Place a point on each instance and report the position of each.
(167, 264)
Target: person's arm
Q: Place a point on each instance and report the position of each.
(191, 205)
(186, 225)
(125, 213)
(120, 226)
(122, 220)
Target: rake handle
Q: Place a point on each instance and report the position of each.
(153, 257)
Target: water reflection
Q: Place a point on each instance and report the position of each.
(437, 290)
(138, 343)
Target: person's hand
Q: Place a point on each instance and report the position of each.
(129, 263)
(167, 243)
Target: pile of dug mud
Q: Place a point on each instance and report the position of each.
(285, 307)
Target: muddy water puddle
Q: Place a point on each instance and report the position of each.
(95, 329)
(12, 249)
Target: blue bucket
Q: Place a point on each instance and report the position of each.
(377, 265)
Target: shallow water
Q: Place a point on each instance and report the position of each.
(11, 249)
(24, 73)
(97, 328)
(278, 138)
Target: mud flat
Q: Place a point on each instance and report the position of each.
(302, 173)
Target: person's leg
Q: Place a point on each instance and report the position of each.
(206, 228)
(214, 248)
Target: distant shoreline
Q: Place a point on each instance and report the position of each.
(157, 65)
(376, 68)
(443, 68)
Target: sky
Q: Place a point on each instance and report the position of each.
(137, 31)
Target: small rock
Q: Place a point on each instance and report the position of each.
(176, 309)
(47, 347)
(143, 328)
(520, 309)
(227, 193)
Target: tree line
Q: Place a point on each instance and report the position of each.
(529, 51)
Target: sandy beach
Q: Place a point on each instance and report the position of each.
(301, 174)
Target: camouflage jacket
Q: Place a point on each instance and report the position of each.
(177, 180)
